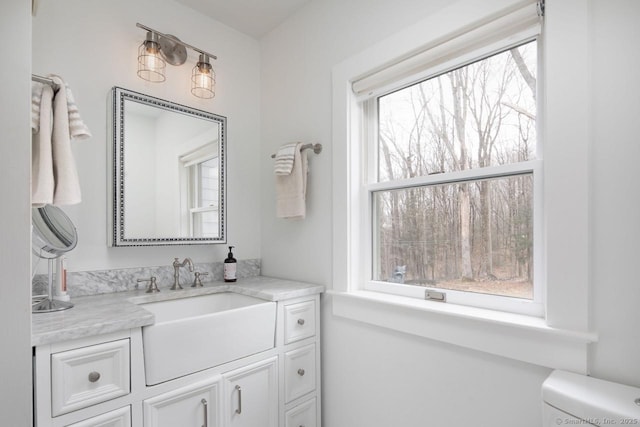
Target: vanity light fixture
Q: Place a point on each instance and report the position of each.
(203, 78)
(158, 49)
(150, 64)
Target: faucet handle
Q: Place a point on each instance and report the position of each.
(153, 287)
(197, 283)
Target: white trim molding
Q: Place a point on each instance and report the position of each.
(525, 338)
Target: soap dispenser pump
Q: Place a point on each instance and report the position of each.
(230, 267)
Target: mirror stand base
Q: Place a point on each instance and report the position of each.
(48, 305)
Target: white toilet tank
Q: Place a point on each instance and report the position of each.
(572, 399)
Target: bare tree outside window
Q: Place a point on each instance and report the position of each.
(475, 235)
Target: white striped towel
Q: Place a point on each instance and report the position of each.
(291, 190)
(42, 181)
(284, 158)
(77, 128)
(36, 100)
(65, 174)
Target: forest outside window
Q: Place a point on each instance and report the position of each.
(454, 185)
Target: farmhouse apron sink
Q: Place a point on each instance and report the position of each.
(196, 333)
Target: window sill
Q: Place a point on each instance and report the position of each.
(524, 338)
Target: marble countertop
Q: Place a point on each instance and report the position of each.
(101, 314)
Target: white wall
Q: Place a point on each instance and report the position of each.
(93, 45)
(378, 378)
(15, 217)
(615, 198)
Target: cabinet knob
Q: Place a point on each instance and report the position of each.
(300, 322)
(301, 372)
(94, 376)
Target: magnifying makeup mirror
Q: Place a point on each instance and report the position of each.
(53, 234)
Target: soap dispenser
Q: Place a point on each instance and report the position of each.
(230, 265)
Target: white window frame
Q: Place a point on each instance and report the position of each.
(190, 178)
(561, 338)
(195, 179)
(371, 184)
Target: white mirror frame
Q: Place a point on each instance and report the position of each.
(116, 158)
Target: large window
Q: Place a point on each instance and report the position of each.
(439, 185)
(452, 184)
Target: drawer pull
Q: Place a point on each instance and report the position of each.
(206, 412)
(94, 376)
(300, 322)
(301, 372)
(239, 410)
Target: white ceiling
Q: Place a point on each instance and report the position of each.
(252, 17)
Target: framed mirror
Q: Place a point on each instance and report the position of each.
(167, 166)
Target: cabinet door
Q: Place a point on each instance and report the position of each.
(251, 395)
(196, 405)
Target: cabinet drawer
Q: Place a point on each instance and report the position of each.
(118, 418)
(89, 375)
(303, 415)
(299, 321)
(299, 372)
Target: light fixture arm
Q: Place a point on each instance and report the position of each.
(176, 40)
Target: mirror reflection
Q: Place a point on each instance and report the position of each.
(169, 173)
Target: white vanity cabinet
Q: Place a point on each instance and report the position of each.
(99, 381)
(300, 362)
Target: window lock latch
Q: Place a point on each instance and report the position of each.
(435, 295)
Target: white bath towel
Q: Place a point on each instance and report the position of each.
(291, 190)
(36, 100)
(42, 181)
(67, 185)
(77, 128)
(284, 159)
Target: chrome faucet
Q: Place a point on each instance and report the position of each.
(176, 271)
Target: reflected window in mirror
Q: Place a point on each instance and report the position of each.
(201, 184)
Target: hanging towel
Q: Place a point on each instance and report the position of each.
(42, 182)
(67, 185)
(291, 189)
(36, 100)
(77, 128)
(284, 159)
